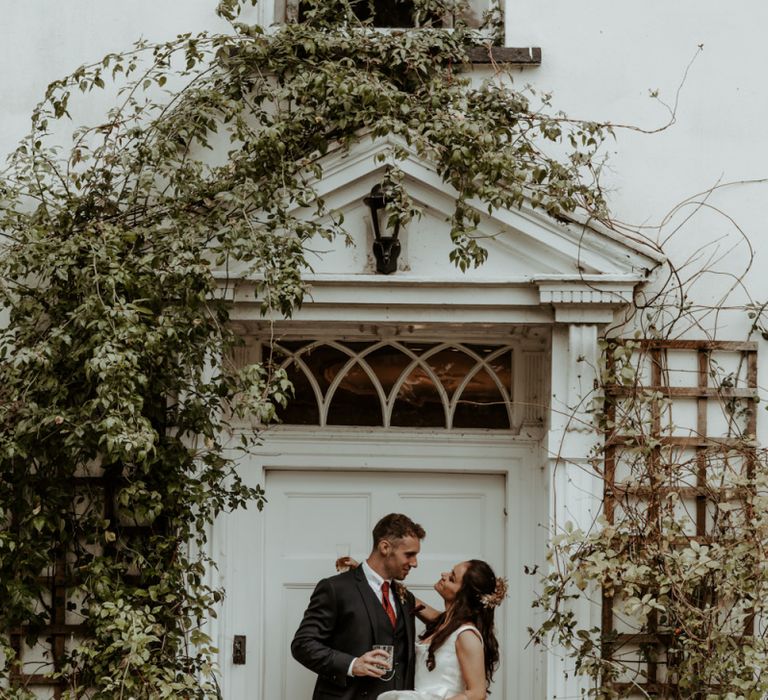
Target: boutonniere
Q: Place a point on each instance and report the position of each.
(401, 592)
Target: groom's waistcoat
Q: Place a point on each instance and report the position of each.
(397, 636)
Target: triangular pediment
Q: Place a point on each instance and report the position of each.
(523, 244)
(538, 269)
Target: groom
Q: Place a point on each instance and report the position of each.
(350, 612)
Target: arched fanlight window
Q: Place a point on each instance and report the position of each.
(403, 384)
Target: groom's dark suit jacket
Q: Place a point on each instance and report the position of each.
(345, 619)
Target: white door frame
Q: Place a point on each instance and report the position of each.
(519, 459)
(575, 307)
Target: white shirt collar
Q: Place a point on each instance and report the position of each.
(374, 580)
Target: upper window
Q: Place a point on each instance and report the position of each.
(411, 384)
(387, 13)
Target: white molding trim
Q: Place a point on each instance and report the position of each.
(583, 358)
(574, 489)
(379, 299)
(586, 293)
(590, 300)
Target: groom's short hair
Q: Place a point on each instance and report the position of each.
(395, 526)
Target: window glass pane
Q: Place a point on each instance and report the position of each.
(385, 13)
(451, 366)
(355, 401)
(302, 409)
(387, 363)
(418, 403)
(356, 347)
(502, 368)
(482, 350)
(293, 345)
(481, 405)
(419, 348)
(324, 362)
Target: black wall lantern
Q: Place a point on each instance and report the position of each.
(386, 246)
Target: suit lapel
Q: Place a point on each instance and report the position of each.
(402, 610)
(368, 597)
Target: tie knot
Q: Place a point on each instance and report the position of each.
(385, 588)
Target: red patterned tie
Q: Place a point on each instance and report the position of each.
(387, 605)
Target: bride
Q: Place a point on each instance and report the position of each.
(458, 653)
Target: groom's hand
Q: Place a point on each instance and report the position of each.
(372, 663)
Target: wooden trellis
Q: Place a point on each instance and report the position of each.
(708, 386)
(36, 664)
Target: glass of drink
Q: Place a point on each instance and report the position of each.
(388, 665)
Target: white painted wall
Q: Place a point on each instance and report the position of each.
(601, 58)
(41, 40)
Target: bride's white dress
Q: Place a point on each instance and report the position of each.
(442, 682)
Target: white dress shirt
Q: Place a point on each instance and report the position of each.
(375, 582)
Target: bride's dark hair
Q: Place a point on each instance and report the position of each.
(469, 606)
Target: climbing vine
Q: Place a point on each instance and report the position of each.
(118, 447)
(675, 559)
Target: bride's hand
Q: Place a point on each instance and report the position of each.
(346, 563)
(425, 613)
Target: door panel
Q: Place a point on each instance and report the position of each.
(310, 513)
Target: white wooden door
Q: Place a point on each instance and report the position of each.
(311, 512)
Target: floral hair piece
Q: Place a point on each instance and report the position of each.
(493, 600)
